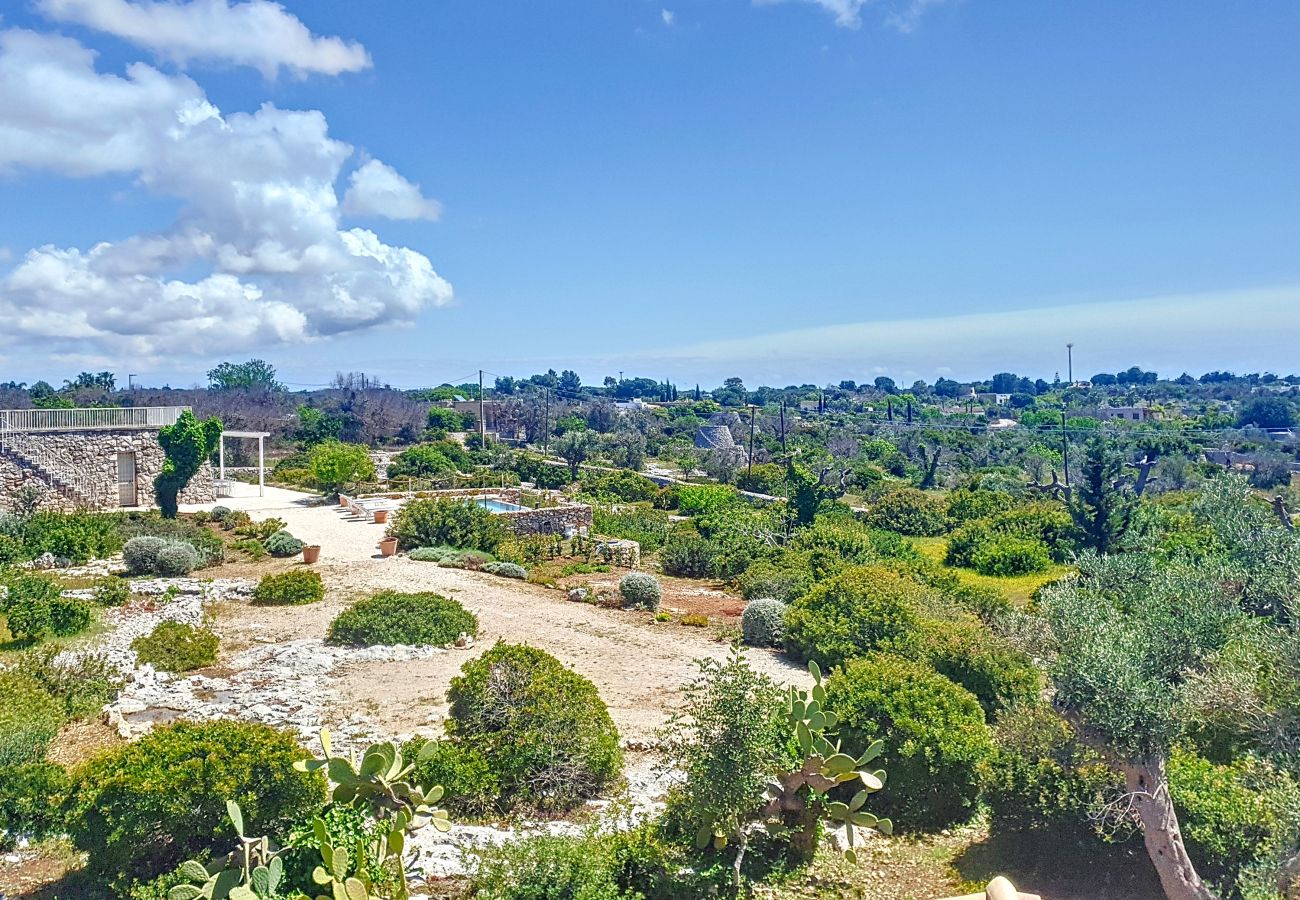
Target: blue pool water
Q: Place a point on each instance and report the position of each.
(498, 506)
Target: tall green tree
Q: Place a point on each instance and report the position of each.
(255, 374)
(1100, 504)
(186, 445)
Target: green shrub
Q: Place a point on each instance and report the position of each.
(622, 484)
(1044, 523)
(853, 543)
(934, 733)
(431, 554)
(506, 570)
(281, 544)
(176, 560)
(423, 461)
(111, 591)
(209, 545)
(854, 613)
(80, 684)
(219, 513)
(513, 705)
(689, 557)
(551, 867)
(176, 647)
(289, 588)
(648, 527)
(1009, 556)
(967, 505)
(141, 809)
(31, 800)
(78, 536)
(335, 465)
(345, 826)
(640, 590)
(1224, 811)
(444, 522)
(34, 608)
(29, 719)
(698, 499)
(762, 622)
(255, 549)
(910, 511)
(784, 579)
(469, 780)
(11, 549)
(389, 617)
(964, 651)
(141, 554)
(1039, 775)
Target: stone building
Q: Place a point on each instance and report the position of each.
(88, 458)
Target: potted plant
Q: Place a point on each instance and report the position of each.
(388, 546)
(310, 553)
(381, 516)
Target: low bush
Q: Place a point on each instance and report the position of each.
(29, 719)
(235, 520)
(621, 484)
(422, 461)
(34, 608)
(255, 549)
(468, 779)
(1039, 775)
(910, 511)
(431, 554)
(853, 613)
(141, 554)
(964, 651)
(693, 620)
(966, 505)
(289, 588)
(389, 617)
(640, 590)
(78, 536)
(648, 527)
(684, 556)
(934, 733)
(854, 543)
(111, 591)
(442, 522)
(1044, 524)
(219, 513)
(11, 549)
(542, 727)
(784, 579)
(555, 867)
(141, 809)
(699, 499)
(81, 684)
(209, 545)
(31, 801)
(176, 647)
(176, 560)
(506, 570)
(281, 544)
(763, 622)
(1006, 557)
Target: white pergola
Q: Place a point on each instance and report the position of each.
(261, 437)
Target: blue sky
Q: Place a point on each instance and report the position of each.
(786, 191)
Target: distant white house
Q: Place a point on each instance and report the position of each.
(991, 398)
(633, 405)
(1141, 412)
(1003, 424)
(809, 405)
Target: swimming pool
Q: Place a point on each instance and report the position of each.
(498, 506)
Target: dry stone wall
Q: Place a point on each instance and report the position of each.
(94, 453)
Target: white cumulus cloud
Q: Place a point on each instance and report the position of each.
(255, 33)
(256, 255)
(376, 189)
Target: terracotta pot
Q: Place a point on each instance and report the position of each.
(311, 553)
(388, 546)
(381, 516)
(343, 501)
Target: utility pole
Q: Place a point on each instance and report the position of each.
(749, 470)
(546, 432)
(1065, 453)
(482, 422)
(783, 425)
(1069, 363)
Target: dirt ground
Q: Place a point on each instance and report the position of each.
(637, 664)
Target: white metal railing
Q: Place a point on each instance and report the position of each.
(89, 419)
(85, 490)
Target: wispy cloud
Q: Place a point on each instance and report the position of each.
(668, 16)
(256, 33)
(1249, 329)
(904, 15)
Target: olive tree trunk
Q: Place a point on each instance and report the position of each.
(1149, 787)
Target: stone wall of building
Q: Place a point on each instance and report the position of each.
(94, 453)
(549, 520)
